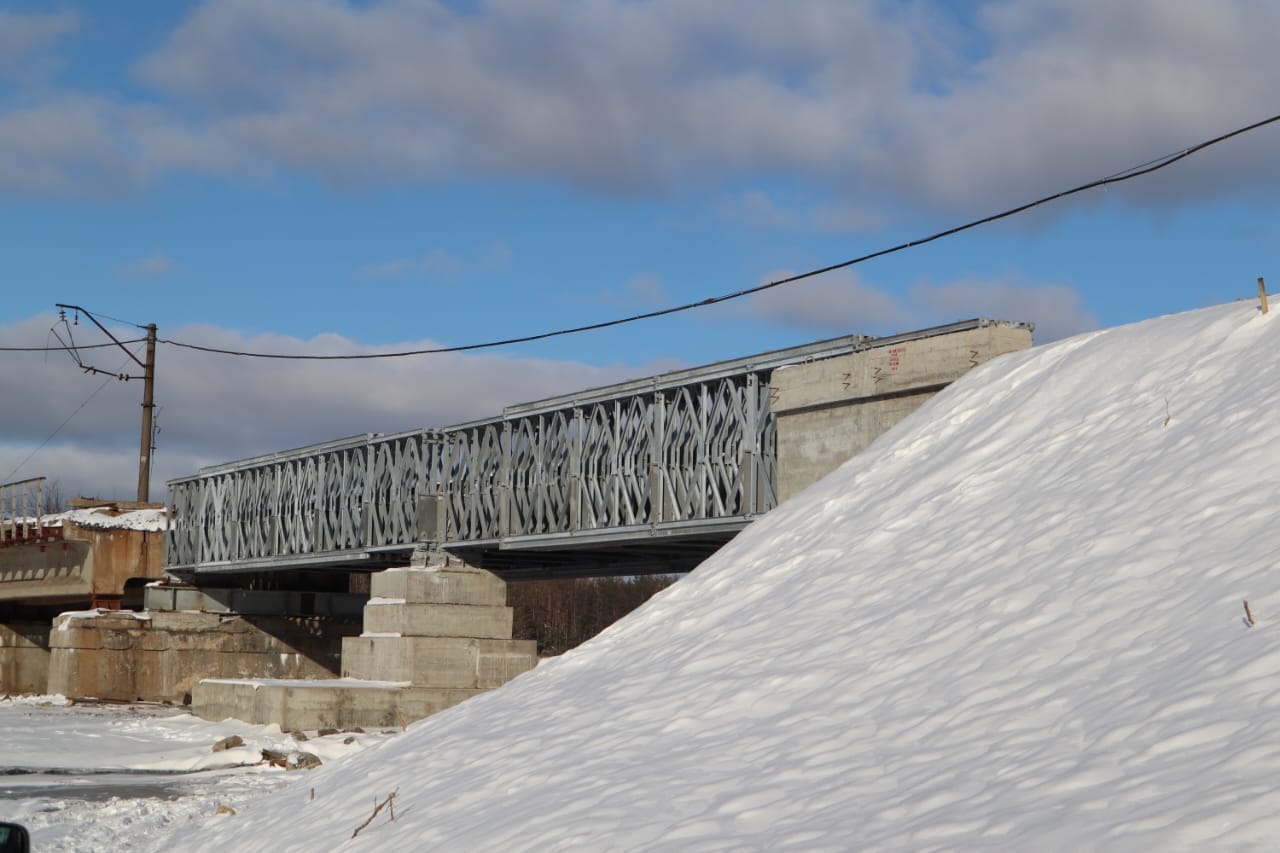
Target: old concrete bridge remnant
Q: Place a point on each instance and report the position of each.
(97, 554)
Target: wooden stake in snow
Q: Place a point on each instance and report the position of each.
(1262, 294)
(389, 801)
(1247, 615)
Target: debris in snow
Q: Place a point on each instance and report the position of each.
(229, 742)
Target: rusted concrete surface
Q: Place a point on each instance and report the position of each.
(159, 656)
(74, 564)
(24, 657)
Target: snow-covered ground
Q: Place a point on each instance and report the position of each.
(1016, 622)
(115, 777)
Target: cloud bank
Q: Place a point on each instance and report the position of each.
(214, 409)
(907, 104)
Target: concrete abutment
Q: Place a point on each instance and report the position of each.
(433, 637)
(24, 657)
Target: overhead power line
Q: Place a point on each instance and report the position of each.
(60, 426)
(1117, 178)
(65, 348)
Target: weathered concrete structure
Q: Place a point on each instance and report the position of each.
(830, 410)
(89, 556)
(650, 475)
(160, 655)
(24, 657)
(432, 638)
(70, 562)
(283, 553)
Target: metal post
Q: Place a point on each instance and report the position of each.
(148, 408)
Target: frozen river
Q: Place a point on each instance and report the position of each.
(120, 777)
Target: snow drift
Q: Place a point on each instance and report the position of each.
(1015, 622)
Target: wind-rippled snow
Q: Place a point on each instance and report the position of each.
(1015, 622)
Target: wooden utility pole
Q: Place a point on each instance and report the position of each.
(148, 408)
(148, 378)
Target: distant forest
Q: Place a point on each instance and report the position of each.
(561, 614)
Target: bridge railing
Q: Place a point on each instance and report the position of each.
(683, 453)
(21, 510)
(677, 452)
(353, 494)
(685, 448)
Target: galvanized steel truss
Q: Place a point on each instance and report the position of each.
(690, 452)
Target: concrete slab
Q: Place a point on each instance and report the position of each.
(389, 616)
(438, 662)
(24, 658)
(453, 584)
(297, 705)
(160, 656)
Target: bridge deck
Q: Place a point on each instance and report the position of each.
(642, 476)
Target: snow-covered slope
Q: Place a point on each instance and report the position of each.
(1015, 622)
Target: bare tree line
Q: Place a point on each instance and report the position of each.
(561, 614)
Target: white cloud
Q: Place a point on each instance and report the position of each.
(881, 103)
(155, 265)
(756, 209)
(439, 264)
(841, 302)
(643, 291)
(838, 302)
(25, 41)
(72, 144)
(1057, 310)
(218, 408)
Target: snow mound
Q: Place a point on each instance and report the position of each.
(1016, 622)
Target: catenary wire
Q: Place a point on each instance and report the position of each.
(1119, 177)
(52, 435)
(65, 348)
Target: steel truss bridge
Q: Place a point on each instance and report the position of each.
(651, 475)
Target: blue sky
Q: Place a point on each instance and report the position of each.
(301, 176)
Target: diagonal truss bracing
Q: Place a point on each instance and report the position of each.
(681, 454)
(685, 454)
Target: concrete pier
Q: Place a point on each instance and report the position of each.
(161, 655)
(433, 637)
(24, 657)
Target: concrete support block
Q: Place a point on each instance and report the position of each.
(298, 706)
(118, 655)
(252, 602)
(24, 658)
(453, 584)
(414, 703)
(438, 620)
(502, 660)
(432, 638)
(438, 662)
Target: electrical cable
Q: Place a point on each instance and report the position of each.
(141, 326)
(52, 435)
(64, 348)
(1119, 177)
